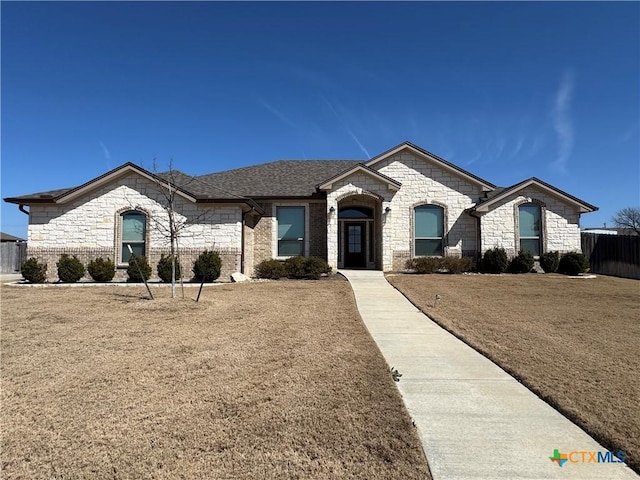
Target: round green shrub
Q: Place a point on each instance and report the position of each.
(207, 266)
(573, 263)
(133, 272)
(549, 261)
(70, 269)
(164, 268)
(495, 260)
(315, 267)
(294, 267)
(457, 265)
(34, 271)
(424, 265)
(272, 269)
(521, 263)
(101, 270)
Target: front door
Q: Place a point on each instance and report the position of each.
(355, 244)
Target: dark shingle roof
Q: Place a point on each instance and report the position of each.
(42, 196)
(5, 237)
(284, 178)
(500, 191)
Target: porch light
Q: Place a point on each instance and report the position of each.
(332, 209)
(387, 210)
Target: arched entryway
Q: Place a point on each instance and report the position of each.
(359, 232)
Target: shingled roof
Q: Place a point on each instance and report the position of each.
(284, 178)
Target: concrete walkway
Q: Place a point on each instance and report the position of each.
(475, 421)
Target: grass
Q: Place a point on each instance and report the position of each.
(575, 342)
(258, 380)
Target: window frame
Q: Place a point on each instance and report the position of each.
(120, 247)
(276, 237)
(415, 237)
(540, 236)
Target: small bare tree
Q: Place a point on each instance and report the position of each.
(628, 218)
(170, 182)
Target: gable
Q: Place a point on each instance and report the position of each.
(433, 159)
(361, 169)
(498, 199)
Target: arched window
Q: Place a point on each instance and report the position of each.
(134, 233)
(428, 230)
(355, 212)
(530, 228)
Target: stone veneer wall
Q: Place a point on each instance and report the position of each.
(90, 226)
(561, 223)
(423, 182)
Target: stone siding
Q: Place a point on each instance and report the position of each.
(561, 223)
(423, 182)
(91, 225)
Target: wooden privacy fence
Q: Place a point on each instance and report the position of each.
(12, 255)
(617, 255)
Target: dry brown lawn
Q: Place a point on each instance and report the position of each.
(259, 380)
(575, 342)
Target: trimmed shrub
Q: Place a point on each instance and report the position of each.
(33, 271)
(521, 263)
(424, 265)
(297, 267)
(134, 273)
(314, 267)
(70, 269)
(573, 263)
(495, 260)
(207, 266)
(549, 261)
(164, 268)
(294, 267)
(272, 269)
(457, 265)
(101, 270)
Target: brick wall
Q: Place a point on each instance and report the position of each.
(318, 230)
(50, 256)
(262, 249)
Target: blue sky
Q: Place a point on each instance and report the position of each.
(504, 90)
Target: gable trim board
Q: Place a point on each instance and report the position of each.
(235, 210)
(391, 183)
(486, 186)
(535, 182)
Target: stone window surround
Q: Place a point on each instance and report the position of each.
(445, 226)
(274, 227)
(118, 233)
(543, 222)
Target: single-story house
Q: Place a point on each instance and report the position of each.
(375, 214)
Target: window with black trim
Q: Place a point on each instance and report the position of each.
(428, 230)
(134, 233)
(290, 231)
(530, 228)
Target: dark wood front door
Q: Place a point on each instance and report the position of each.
(355, 255)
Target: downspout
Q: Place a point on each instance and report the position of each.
(244, 215)
(479, 239)
(21, 208)
(242, 238)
